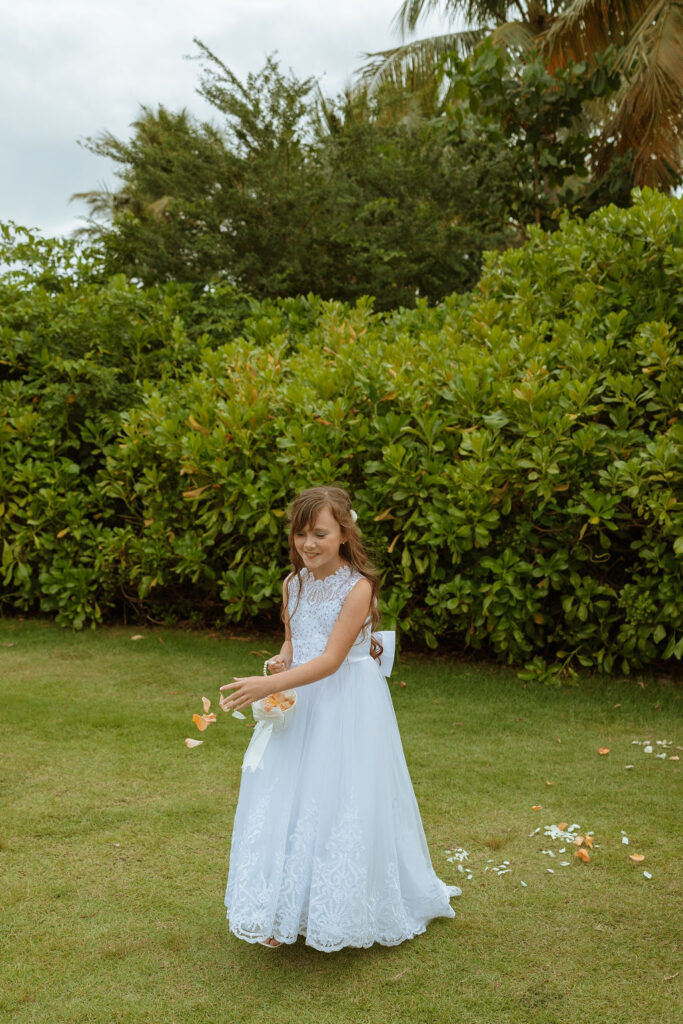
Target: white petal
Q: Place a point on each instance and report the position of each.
(647, 874)
(238, 714)
(624, 840)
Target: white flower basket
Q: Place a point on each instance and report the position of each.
(269, 720)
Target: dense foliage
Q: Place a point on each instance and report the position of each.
(291, 193)
(514, 453)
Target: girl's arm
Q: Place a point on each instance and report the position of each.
(352, 617)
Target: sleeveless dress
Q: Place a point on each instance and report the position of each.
(327, 839)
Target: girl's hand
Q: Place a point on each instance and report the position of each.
(246, 689)
(278, 664)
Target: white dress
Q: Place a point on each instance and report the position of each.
(327, 840)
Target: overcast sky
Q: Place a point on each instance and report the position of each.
(72, 68)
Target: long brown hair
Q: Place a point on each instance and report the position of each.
(303, 512)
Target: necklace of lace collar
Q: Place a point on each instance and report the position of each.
(321, 590)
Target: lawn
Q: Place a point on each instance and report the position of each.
(114, 839)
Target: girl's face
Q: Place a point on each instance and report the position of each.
(318, 544)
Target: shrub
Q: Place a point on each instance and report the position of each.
(514, 455)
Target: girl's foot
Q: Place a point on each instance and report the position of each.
(270, 942)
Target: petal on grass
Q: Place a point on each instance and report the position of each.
(603, 750)
(207, 703)
(647, 874)
(583, 855)
(193, 743)
(138, 636)
(636, 857)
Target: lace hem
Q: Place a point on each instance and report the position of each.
(287, 939)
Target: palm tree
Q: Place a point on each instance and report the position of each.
(644, 116)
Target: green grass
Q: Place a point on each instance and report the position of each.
(114, 840)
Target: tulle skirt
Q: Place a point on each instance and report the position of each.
(327, 840)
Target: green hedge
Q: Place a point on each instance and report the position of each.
(514, 453)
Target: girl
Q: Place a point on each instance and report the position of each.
(327, 840)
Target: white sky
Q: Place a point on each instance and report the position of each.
(72, 68)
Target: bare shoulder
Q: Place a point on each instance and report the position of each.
(360, 592)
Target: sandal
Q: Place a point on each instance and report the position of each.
(270, 945)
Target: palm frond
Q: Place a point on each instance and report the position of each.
(414, 63)
(590, 26)
(645, 115)
(649, 115)
(474, 12)
(411, 11)
(515, 36)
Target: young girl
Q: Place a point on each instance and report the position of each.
(327, 840)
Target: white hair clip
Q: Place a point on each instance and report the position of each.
(354, 515)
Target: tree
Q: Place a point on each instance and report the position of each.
(643, 120)
(293, 193)
(532, 116)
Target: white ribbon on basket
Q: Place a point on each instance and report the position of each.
(276, 719)
(268, 722)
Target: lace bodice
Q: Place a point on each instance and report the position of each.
(317, 611)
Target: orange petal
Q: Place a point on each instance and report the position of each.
(636, 857)
(536, 807)
(578, 840)
(549, 783)
(589, 841)
(201, 721)
(603, 750)
(583, 854)
(207, 703)
(562, 826)
(193, 743)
